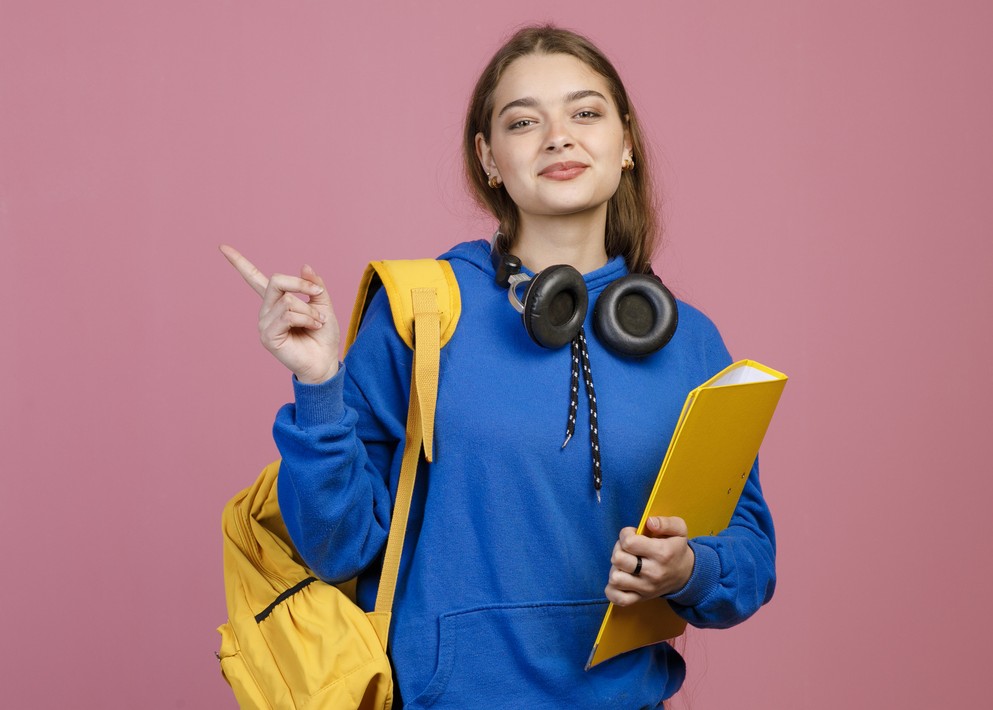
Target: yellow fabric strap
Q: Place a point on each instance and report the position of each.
(399, 278)
(420, 429)
(427, 347)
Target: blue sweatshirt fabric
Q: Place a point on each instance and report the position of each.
(501, 587)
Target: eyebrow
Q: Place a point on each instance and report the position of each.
(529, 101)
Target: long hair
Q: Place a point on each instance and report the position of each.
(633, 226)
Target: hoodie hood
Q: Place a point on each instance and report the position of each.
(479, 255)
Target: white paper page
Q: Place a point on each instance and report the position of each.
(743, 375)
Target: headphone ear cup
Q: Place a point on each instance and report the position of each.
(555, 306)
(636, 315)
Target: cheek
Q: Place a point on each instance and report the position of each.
(515, 170)
(616, 150)
(607, 187)
(508, 161)
(516, 189)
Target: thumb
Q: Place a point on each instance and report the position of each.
(659, 526)
(322, 299)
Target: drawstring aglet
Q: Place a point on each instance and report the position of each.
(568, 436)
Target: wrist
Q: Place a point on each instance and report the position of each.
(687, 562)
(309, 378)
(704, 576)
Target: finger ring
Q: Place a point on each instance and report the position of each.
(637, 567)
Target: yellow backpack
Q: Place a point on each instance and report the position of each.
(291, 640)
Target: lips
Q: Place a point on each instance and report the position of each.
(563, 171)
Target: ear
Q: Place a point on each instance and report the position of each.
(485, 156)
(628, 145)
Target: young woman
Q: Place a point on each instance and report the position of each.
(516, 541)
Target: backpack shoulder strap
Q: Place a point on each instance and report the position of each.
(403, 280)
(425, 304)
(399, 277)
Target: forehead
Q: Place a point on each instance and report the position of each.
(548, 78)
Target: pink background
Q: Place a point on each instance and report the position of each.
(827, 172)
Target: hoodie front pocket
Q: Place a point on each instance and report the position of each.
(533, 656)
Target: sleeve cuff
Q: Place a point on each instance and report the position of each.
(320, 404)
(705, 576)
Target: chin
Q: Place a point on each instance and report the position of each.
(568, 204)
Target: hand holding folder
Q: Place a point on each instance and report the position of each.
(702, 476)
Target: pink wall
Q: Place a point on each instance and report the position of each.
(827, 168)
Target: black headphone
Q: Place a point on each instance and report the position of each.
(635, 315)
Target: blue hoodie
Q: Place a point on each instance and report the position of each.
(501, 587)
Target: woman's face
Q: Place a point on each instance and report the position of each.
(557, 140)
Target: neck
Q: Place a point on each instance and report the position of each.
(577, 240)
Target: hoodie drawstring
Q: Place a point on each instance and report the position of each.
(581, 356)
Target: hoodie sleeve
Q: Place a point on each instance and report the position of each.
(338, 442)
(734, 572)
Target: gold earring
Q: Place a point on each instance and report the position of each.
(627, 164)
(493, 181)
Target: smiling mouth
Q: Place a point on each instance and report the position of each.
(562, 171)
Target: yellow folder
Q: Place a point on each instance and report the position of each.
(704, 471)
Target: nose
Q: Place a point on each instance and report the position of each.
(558, 137)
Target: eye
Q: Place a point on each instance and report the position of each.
(588, 114)
(523, 123)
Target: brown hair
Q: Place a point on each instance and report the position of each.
(633, 227)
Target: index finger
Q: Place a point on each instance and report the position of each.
(255, 278)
